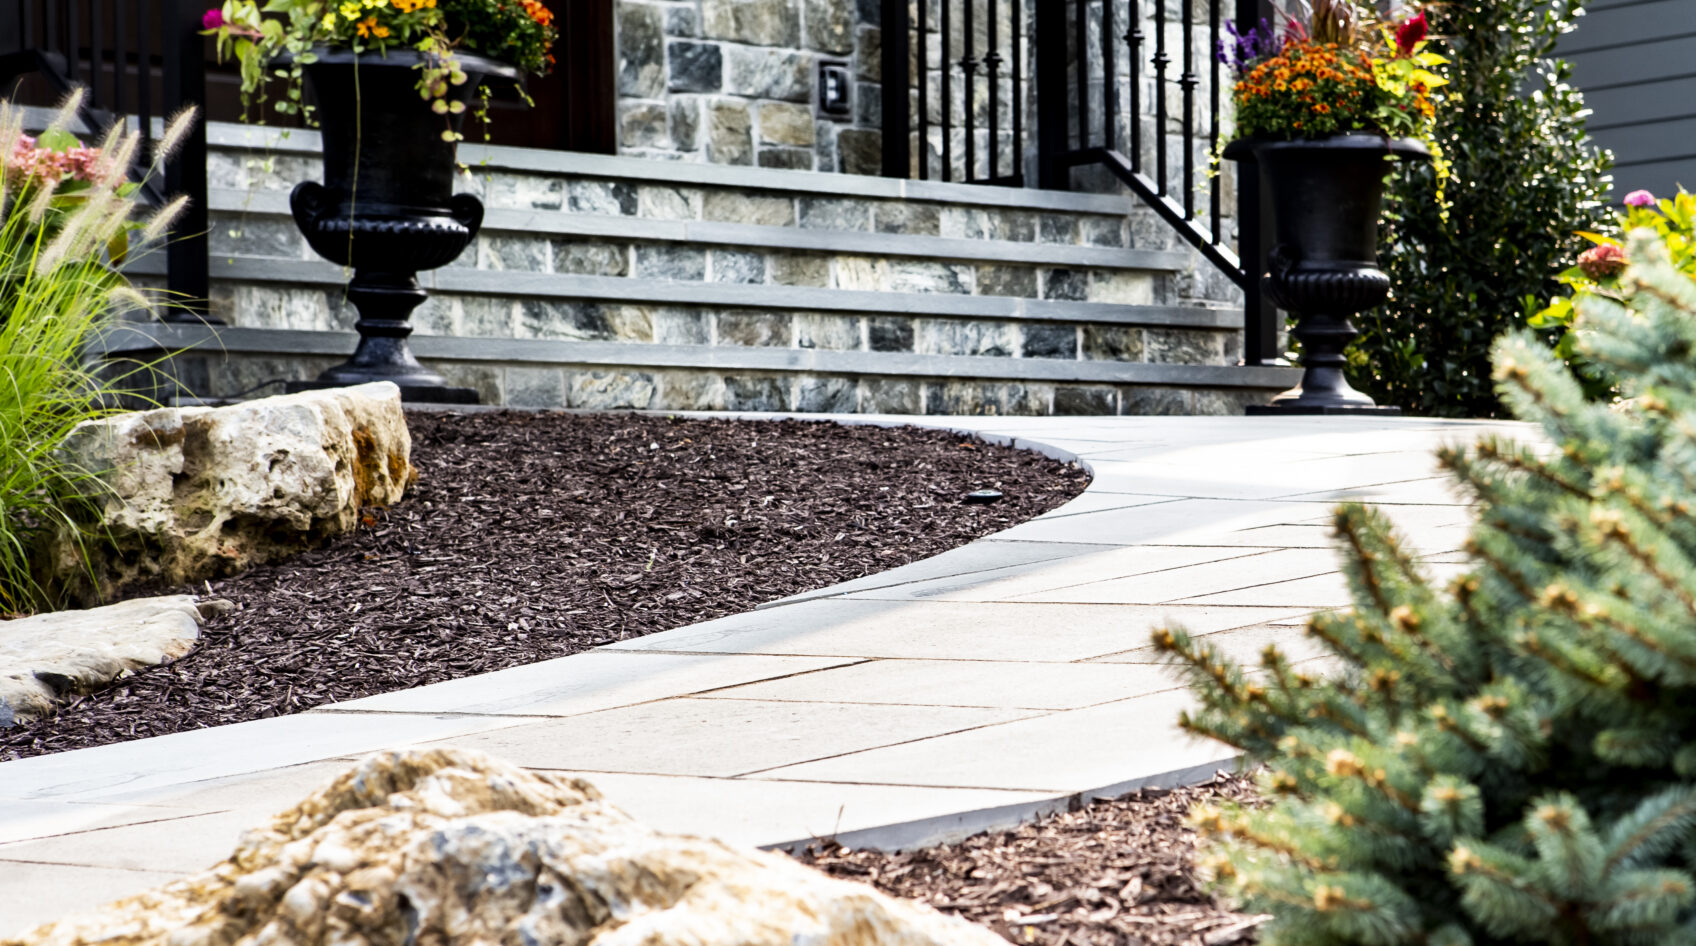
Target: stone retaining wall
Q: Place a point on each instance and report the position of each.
(733, 82)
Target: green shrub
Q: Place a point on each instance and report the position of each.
(65, 212)
(1524, 179)
(1598, 269)
(1512, 759)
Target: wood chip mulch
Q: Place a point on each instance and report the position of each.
(1117, 872)
(532, 536)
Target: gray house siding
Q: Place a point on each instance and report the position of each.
(1636, 62)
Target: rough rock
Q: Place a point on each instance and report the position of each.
(48, 658)
(196, 492)
(450, 847)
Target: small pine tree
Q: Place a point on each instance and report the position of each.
(1509, 760)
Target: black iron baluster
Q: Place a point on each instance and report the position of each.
(1080, 13)
(73, 38)
(992, 70)
(50, 26)
(1019, 100)
(923, 79)
(969, 66)
(185, 85)
(96, 54)
(947, 96)
(1188, 81)
(1161, 61)
(1109, 81)
(897, 86)
(144, 74)
(120, 58)
(1133, 38)
(1217, 210)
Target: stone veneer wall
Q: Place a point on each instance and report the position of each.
(605, 282)
(733, 82)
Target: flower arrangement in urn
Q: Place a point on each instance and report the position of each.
(1324, 97)
(520, 33)
(1333, 70)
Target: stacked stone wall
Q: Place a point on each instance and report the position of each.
(607, 283)
(734, 82)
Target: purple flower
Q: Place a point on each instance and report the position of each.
(1244, 49)
(1640, 199)
(213, 19)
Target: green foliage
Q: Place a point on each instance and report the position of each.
(1523, 179)
(1598, 269)
(59, 221)
(1513, 758)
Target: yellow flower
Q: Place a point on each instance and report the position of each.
(350, 10)
(329, 21)
(372, 4)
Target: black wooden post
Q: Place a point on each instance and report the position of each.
(1254, 233)
(1053, 105)
(185, 85)
(897, 87)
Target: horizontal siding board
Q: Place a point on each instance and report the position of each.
(1635, 61)
(1657, 177)
(1631, 65)
(1648, 102)
(1660, 141)
(1619, 26)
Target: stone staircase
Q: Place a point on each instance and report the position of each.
(620, 282)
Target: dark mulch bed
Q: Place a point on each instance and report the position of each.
(531, 536)
(1113, 873)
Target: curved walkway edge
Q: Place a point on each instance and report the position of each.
(967, 691)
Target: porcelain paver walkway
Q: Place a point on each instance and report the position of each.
(965, 691)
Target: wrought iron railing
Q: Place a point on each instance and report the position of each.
(1132, 86)
(135, 60)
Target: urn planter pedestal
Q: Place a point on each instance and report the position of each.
(1327, 194)
(386, 207)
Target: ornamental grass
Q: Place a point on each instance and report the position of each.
(67, 215)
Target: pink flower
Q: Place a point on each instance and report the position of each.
(1602, 262)
(213, 19)
(1640, 199)
(1411, 33)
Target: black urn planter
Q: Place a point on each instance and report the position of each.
(387, 207)
(1327, 194)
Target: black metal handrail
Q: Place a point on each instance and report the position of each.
(1091, 107)
(134, 60)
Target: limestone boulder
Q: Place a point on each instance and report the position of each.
(47, 659)
(197, 492)
(448, 848)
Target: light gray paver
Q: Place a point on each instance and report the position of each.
(587, 683)
(720, 737)
(32, 893)
(963, 692)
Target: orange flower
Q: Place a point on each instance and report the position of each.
(537, 12)
(369, 27)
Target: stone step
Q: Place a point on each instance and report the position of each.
(619, 282)
(601, 375)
